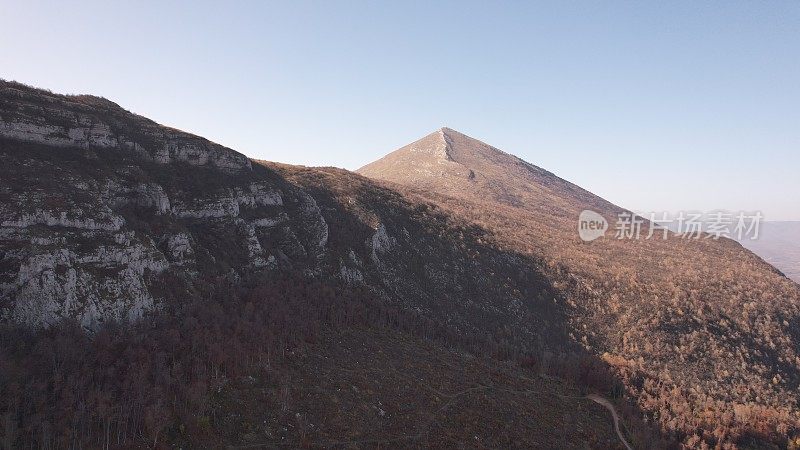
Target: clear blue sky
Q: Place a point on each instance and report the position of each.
(652, 105)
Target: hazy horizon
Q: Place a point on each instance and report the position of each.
(671, 107)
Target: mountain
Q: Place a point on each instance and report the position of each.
(452, 163)
(157, 290)
(779, 244)
(92, 231)
(704, 333)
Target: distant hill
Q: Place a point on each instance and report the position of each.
(779, 244)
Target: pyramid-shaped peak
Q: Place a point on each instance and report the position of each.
(443, 154)
(449, 132)
(467, 149)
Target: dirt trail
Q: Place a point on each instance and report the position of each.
(607, 404)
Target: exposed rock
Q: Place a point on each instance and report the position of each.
(313, 221)
(83, 122)
(179, 249)
(350, 275)
(269, 222)
(148, 195)
(255, 252)
(381, 243)
(259, 194)
(75, 218)
(202, 208)
(92, 286)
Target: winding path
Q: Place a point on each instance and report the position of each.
(607, 404)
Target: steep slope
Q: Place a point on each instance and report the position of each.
(706, 334)
(191, 272)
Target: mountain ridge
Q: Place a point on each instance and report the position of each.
(33, 115)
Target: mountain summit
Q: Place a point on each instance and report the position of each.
(452, 163)
(444, 153)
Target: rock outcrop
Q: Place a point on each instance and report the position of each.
(99, 204)
(88, 122)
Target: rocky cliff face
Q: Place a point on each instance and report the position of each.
(98, 205)
(86, 122)
(86, 237)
